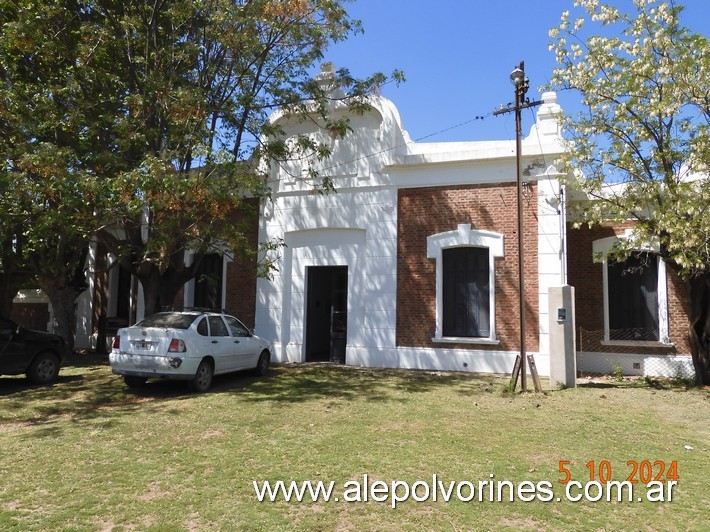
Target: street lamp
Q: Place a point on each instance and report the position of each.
(517, 76)
(521, 83)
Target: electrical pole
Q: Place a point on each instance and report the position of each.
(521, 102)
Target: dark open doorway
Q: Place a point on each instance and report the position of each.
(121, 315)
(208, 282)
(326, 313)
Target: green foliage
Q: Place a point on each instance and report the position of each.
(640, 149)
(508, 389)
(141, 124)
(618, 371)
(89, 453)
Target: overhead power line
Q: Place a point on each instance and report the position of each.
(419, 139)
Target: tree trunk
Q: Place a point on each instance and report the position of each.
(11, 273)
(63, 300)
(8, 291)
(160, 289)
(699, 326)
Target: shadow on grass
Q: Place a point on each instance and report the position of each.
(305, 382)
(20, 384)
(680, 385)
(93, 395)
(10, 385)
(90, 394)
(601, 385)
(83, 359)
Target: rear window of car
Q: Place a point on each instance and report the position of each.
(173, 320)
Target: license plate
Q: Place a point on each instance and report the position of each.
(143, 345)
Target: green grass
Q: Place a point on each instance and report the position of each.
(88, 454)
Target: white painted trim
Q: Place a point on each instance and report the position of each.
(603, 246)
(631, 343)
(188, 299)
(225, 261)
(465, 340)
(188, 293)
(441, 359)
(605, 297)
(663, 321)
(663, 365)
(464, 236)
(112, 295)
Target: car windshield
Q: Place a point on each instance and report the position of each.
(174, 320)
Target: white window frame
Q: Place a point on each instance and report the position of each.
(464, 236)
(189, 286)
(602, 247)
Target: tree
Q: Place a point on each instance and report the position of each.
(157, 110)
(12, 273)
(49, 153)
(644, 82)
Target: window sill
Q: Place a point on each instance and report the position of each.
(464, 340)
(640, 343)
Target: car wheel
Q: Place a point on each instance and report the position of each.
(203, 377)
(262, 366)
(134, 382)
(44, 368)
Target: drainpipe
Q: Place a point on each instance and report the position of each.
(563, 233)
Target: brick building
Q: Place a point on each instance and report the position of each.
(413, 262)
(632, 315)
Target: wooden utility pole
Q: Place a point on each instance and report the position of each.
(521, 102)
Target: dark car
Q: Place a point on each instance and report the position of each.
(36, 353)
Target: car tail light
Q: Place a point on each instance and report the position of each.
(117, 342)
(176, 346)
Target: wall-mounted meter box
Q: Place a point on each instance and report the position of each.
(561, 315)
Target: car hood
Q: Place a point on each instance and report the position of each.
(39, 336)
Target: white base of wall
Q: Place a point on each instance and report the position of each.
(474, 361)
(83, 335)
(636, 364)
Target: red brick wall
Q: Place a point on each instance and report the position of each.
(241, 272)
(586, 276)
(31, 315)
(423, 212)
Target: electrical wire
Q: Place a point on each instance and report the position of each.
(401, 145)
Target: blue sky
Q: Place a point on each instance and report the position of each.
(457, 56)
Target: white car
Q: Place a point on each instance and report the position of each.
(189, 345)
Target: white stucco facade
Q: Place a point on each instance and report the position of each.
(357, 227)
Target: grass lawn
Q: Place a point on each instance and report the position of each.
(88, 454)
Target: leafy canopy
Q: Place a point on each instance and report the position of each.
(640, 148)
(141, 123)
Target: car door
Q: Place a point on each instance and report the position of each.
(13, 351)
(224, 350)
(246, 348)
(202, 341)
